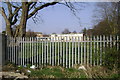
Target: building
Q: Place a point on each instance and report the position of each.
(39, 34)
(67, 37)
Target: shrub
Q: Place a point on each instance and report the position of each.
(110, 58)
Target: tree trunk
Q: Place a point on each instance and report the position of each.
(24, 17)
(9, 29)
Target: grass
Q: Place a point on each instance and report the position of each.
(35, 49)
(60, 72)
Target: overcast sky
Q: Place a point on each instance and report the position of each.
(57, 18)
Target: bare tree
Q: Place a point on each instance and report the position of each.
(107, 12)
(18, 13)
(84, 31)
(30, 33)
(66, 31)
(74, 32)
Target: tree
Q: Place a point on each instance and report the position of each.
(107, 15)
(53, 33)
(84, 31)
(30, 33)
(66, 31)
(19, 13)
(74, 32)
(3, 32)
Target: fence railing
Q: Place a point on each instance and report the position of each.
(63, 51)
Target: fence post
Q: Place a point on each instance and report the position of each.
(2, 50)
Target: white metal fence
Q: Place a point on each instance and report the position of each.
(64, 52)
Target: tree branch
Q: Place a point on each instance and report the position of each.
(15, 19)
(2, 11)
(32, 6)
(16, 10)
(41, 7)
(9, 9)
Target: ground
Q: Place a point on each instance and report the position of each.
(58, 72)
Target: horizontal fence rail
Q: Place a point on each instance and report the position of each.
(59, 51)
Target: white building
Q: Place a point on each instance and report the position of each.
(67, 37)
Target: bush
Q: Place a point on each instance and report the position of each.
(110, 58)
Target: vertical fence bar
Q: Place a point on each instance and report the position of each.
(17, 50)
(64, 53)
(58, 51)
(94, 52)
(16, 43)
(107, 37)
(69, 52)
(50, 50)
(87, 50)
(23, 57)
(61, 50)
(81, 45)
(32, 51)
(21, 51)
(9, 49)
(114, 38)
(78, 49)
(110, 41)
(84, 49)
(25, 49)
(40, 49)
(97, 52)
(91, 52)
(55, 50)
(8, 43)
(35, 52)
(45, 52)
(42, 53)
(47, 48)
(101, 51)
(104, 44)
(75, 50)
(72, 51)
(14, 50)
(30, 44)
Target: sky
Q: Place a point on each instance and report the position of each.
(56, 18)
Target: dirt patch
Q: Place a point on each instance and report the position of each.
(12, 75)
